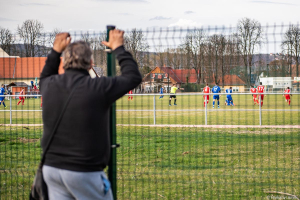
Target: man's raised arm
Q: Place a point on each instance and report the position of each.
(52, 63)
(117, 86)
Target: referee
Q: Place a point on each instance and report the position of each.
(172, 94)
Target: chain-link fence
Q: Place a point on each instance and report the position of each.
(182, 143)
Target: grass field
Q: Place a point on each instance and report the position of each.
(175, 163)
(189, 110)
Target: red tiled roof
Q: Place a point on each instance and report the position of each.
(171, 73)
(232, 80)
(183, 73)
(30, 67)
(179, 75)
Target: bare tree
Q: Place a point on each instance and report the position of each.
(137, 45)
(216, 55)
(291, 46)
(194, 48)
(31, 32)
(278, 67)
(230, 55)
(6, 40)
(99, 54)
(249, 35)
(176, 57)
(53, 34)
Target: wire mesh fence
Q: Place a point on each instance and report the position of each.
(237, 146)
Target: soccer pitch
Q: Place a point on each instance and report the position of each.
(189, 111)
(174, 163)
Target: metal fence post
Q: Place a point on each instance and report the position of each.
(259, 110)
(112, 166)
(205, 109)
(154, 114)
(10, 112)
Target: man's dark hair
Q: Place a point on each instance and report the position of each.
(77, 55)
(260, 83)
(251, 86)
(288, 87)
(206, 84)
(217, 83)
(230, 88)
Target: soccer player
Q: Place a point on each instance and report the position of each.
(253, 91)
(206, 90)
(229, 100)
(216, 89)
(287, 95)
(172, 95)
(2, 98)
(161, 92)
(130, 96)
(21, 98)
(261, 89)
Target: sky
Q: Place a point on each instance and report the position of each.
(94, 15)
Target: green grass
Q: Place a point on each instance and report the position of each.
(174, 163)
(195, 115)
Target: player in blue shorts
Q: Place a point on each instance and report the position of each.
(216, 89)
(229, 100)
(161, 92)
(2, 92)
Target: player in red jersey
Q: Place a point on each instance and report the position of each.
(130, 96)
(206, 89)
(287, 95)
(261, 89)
(21, 98)
(253, 91)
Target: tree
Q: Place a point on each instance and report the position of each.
(176, 57)
(99, 54)
(216, 55)
(278, 67)
(194, 48)
(31, 32)
(137, 45)
(53, 34)
(6, 40)
(249, 35)
(291, 46)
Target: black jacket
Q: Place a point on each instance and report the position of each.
(82, 141)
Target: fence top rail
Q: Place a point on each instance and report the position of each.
(182, 93)
(202, 94)
(23, 95)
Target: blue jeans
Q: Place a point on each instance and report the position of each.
(70, 185)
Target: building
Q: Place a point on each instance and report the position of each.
(24, 70)
(277, 82)
(237, 84)
(167, 76)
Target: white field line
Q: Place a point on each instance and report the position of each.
(213, 126)
(203, 110)
(174, 110)
(182, 125)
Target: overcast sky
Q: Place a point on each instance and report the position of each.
(142, 14)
